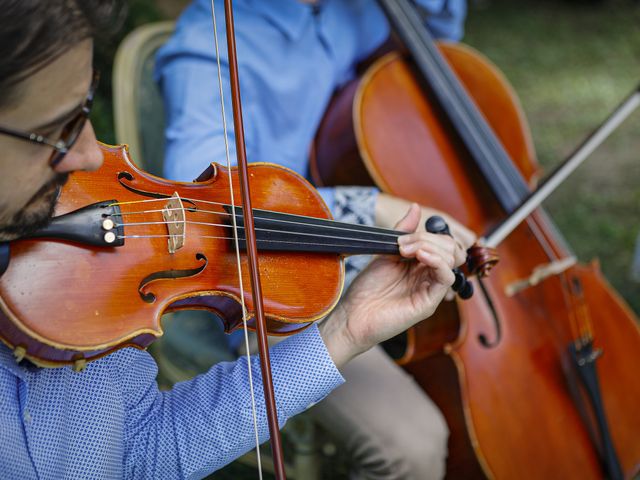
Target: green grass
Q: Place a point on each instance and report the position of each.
(571, 63)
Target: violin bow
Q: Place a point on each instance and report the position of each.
(252, 250)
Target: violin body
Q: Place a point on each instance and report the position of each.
(67, 303)
(497, 365)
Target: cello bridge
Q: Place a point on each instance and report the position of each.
(539, 274)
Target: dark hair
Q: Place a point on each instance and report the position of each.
(33, 33)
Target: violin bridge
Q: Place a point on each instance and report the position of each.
(540, 273)
(174, 216)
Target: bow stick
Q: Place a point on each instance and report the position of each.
(252, 251)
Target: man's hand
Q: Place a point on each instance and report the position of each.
(392, 293)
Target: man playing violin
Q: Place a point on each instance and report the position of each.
(293, 55)
(111, 421)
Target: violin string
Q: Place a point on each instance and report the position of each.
(258, 229)
(213, 237)
(330, 224)
(237, 245)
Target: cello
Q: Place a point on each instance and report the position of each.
(535, 374)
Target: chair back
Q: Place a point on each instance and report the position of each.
(137, 103)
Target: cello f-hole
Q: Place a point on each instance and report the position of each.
(482, 338)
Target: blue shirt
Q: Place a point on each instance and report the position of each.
(292, 57)
(112, 422)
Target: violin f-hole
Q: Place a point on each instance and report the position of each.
(124, 177)
(150, 297)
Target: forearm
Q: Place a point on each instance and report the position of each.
(207, 422)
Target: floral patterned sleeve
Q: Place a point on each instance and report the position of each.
(355, 205)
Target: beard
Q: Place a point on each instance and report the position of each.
(37, 212)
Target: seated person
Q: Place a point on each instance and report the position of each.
(293, 55)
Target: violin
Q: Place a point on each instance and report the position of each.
(125, 247)
(535, 373)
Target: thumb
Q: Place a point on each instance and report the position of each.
(409, 222)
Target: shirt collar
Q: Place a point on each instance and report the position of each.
(290, 16)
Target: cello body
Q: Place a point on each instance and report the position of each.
(497, 365)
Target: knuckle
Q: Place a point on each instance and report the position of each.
(452, 248)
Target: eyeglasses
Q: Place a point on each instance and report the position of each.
(70, 132)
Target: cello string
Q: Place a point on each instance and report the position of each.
(474, 124)
(469, 118)
(554, 255)
(237, 245)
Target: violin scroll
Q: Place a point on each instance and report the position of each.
(481, 259)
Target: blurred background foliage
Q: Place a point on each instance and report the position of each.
(571, 62)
